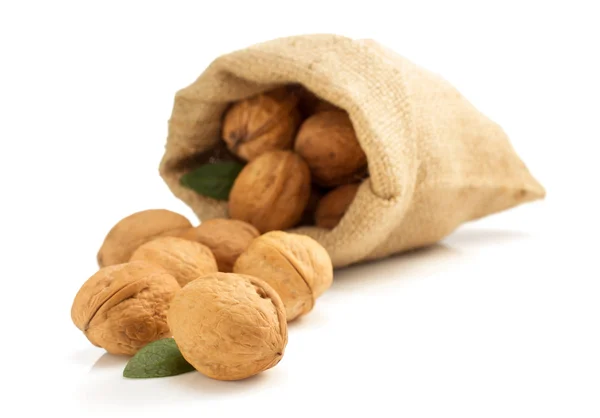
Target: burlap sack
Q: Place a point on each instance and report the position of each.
(434, 160)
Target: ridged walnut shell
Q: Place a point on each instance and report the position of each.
(328, 144)
(229, 326)
(136, 229)
(296, 266)
(183, 259)
(333, 206)
(262, 123)
(226, 238)
(271, 191)
(123, 307)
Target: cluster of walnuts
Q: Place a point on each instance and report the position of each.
(222, 290)
(304, 160)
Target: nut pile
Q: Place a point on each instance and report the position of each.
(221, 290)
(220, 294)
(300, 161)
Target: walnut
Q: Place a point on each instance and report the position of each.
(333, 205)
(262, 123)
(123, 307)
(296, 266)
(226, 238)
(271, 191)
(136, 229)
(229, 326)
(185, 260)
(328, 144)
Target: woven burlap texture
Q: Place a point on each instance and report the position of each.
(435, 161)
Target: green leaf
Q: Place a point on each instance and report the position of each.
(212, 180)
(157, 359)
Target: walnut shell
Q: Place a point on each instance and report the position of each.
(271, 191)
(183, 259)
(262, 123)
(229, 326)
(123, 307)
(136, 229)
(333, 206)
(296, 266)
(328, 144)
(226, 238)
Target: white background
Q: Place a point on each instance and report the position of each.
(500, 319)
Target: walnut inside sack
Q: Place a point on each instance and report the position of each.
(262, 123)
(327, 142)
(271, 192)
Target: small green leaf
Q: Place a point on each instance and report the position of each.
(212, 180)
(157, 359)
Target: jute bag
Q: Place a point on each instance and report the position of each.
(434, 160)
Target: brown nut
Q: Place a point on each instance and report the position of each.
(226, 238)
(328, 144)
(262, 123)
(183, 259)
(229, 326)
(123, 307)
(271, 191)
(333, 206)
(136, 229)
(296, 266)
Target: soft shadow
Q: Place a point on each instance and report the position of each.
(433, 250)
(482, 236)
(301, 321)
(315, 319)
(109, 361)
(112, 388)
(196, 383)
(86, 356)
(401, 266)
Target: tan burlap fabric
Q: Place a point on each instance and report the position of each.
(434, 160)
